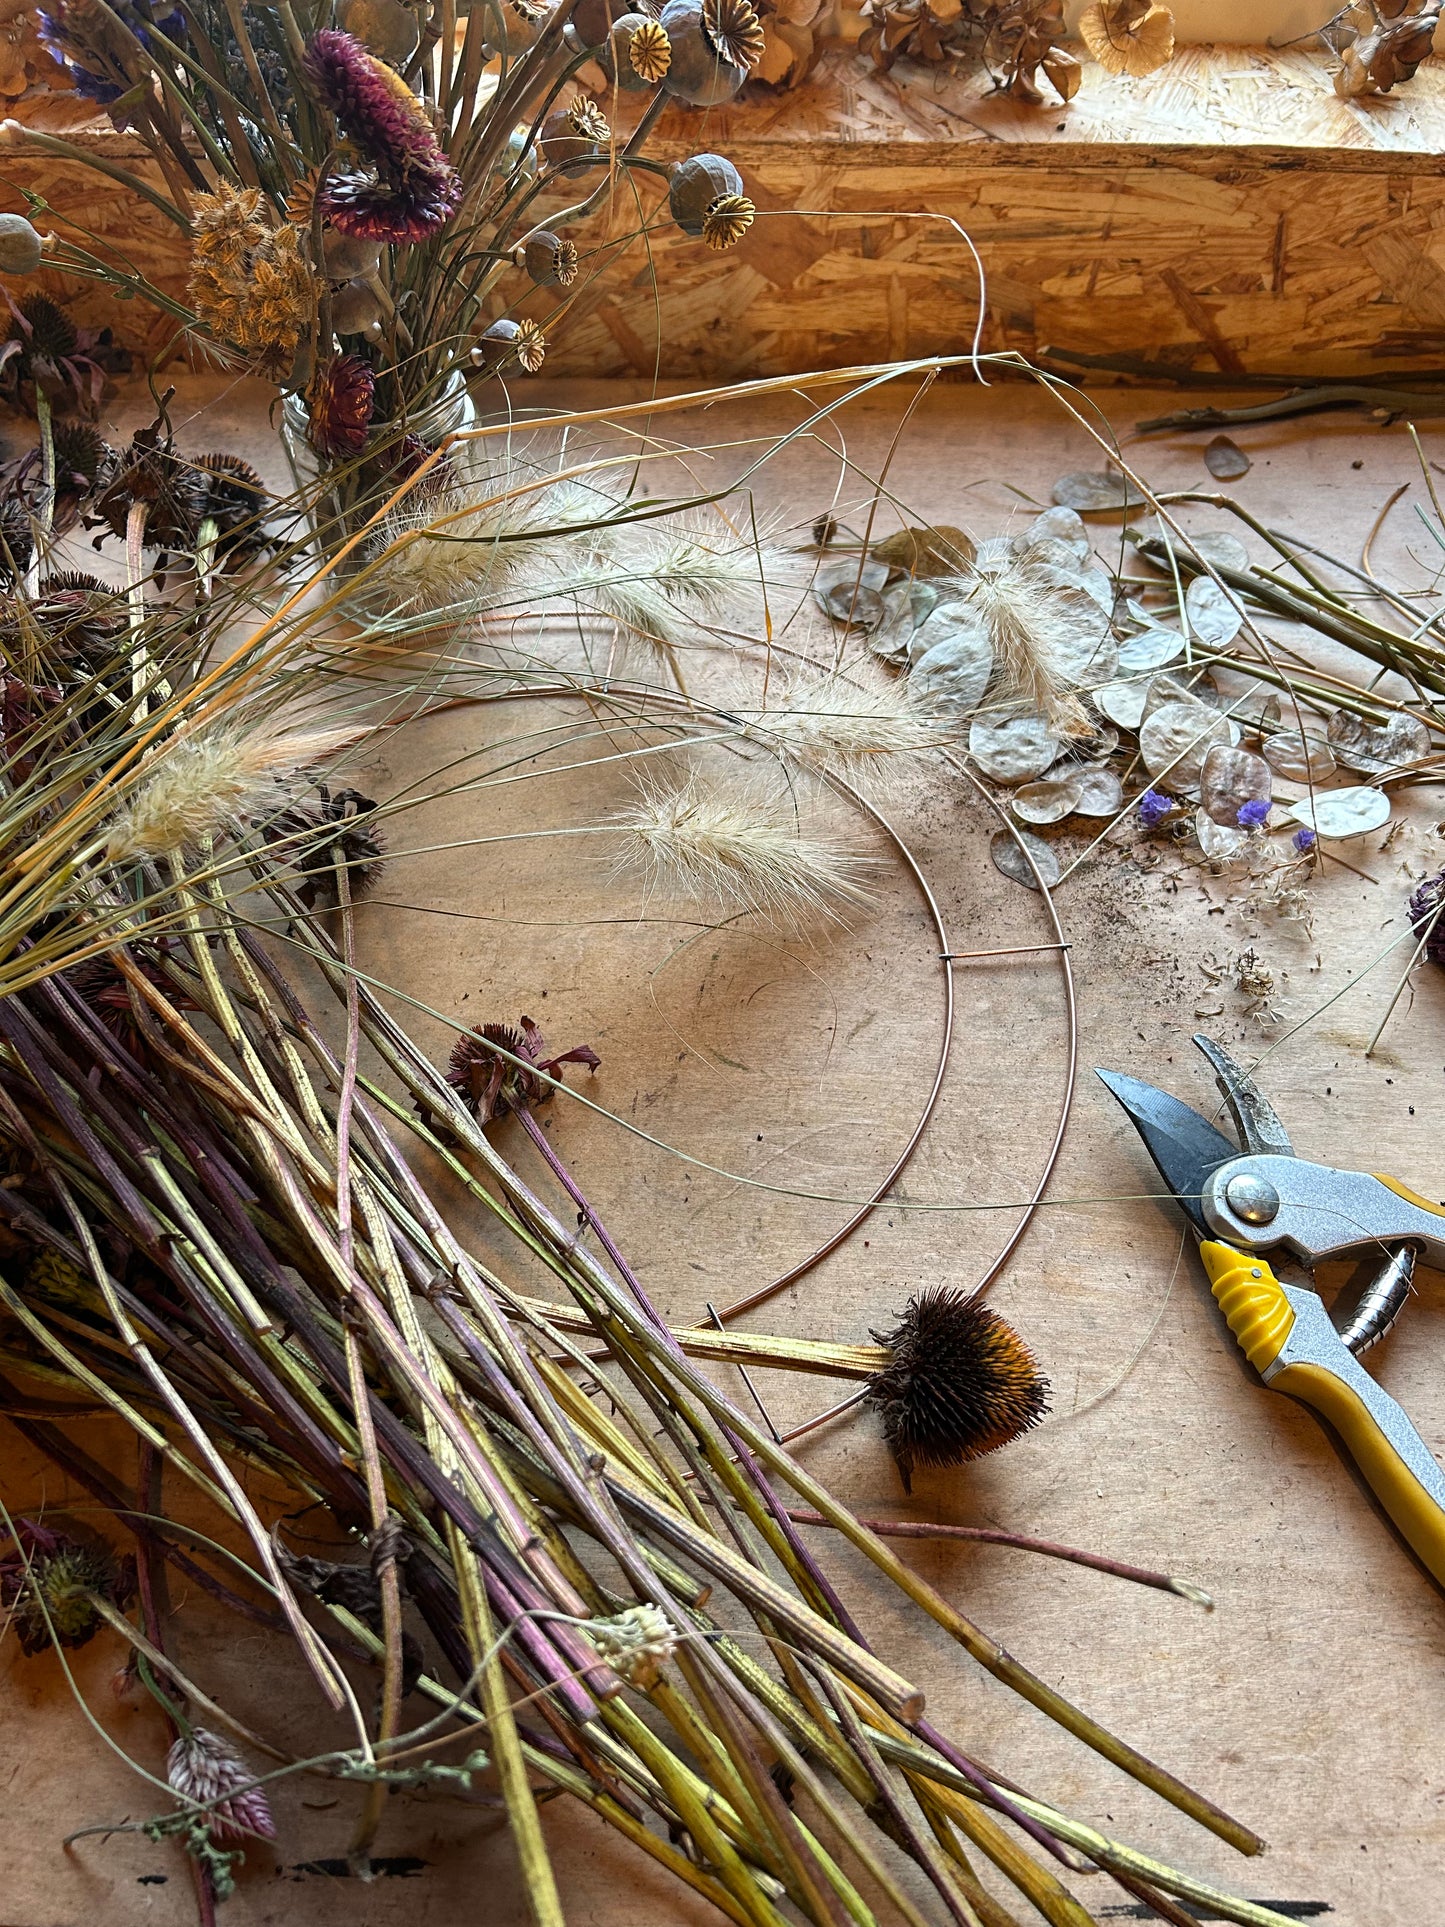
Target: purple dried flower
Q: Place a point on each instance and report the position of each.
(1304, 841)
(92, 44)
(1253, 814)
(202, 1767)
(413, 190)
(1154, 806)
(1427, 916)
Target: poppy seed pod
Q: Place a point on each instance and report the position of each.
(355, 308)
(550, 260)
(638, 53)
(572, 133)
(714, 45)
(346, 258)
(592, 19)
(20, 245)
(697, 185)
(496, 346)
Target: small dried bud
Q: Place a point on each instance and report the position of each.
(550, 260)
(637, 1643)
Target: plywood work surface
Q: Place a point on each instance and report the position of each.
(1310, 1701)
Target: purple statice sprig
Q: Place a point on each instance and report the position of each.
(410, 190)
(93, 47)
(1427, 916)
(1304, 840)
(1254, 814)
(1153, 807)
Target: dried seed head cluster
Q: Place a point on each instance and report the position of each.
(739, 847)
(250, 282)
(960, 1383)
(637, 1643)
(49, 1582)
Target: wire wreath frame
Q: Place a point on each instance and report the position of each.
(647, 696)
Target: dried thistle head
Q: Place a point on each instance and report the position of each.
(960, 1383)
(47, 1581)
(738, 848)
(206, 1769)
(493, 1068)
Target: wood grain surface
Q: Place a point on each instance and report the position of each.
(1310, 1701)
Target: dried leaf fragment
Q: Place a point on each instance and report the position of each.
(1128, 36)
(1096, 492)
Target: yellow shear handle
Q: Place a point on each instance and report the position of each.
(1297, 1350)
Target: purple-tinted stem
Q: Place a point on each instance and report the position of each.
(751, 1469)
(974, 1774)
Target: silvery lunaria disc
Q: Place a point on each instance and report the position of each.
(1011, 862)
(1012, 748)
(1336, 813)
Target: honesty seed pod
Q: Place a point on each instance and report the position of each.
(705, 197)
(715, 44)
(20, 245)
(549, 259)
(638, 53)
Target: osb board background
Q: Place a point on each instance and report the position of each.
(1311, 1701)
(1227, 212)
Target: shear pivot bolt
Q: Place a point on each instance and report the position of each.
(1251, 1198)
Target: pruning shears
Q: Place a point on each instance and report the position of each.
(1244, 1202)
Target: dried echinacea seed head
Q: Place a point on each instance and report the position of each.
(697, 187)
(960, 1383)
(727, 221)
(705, 69)
(494, 1069)
(638, 52)
(550, 260)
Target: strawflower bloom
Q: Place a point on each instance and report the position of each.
(1253, 814)
(412, 190)
(1154, 806)
(340, 403)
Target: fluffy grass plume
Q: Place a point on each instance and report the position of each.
(738, 847)
(1028, 623)
(838, 724)
(200, 782)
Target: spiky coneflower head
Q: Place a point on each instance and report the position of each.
(740, 849)
(493, 1068)
(83, 617)
(199, 782)
(203, 1767)
(413, 190)
(960, 1382)
(84, 460)
(45, 328)
(47, 1582)
(236, 501)
(311, 836)
(17, 541)
(841, 725)
(1427, 916)
(339, 404)
(152, 474)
